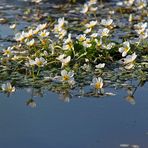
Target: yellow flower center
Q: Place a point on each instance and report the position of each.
(70, 45)
(43, 34)
(126, 49)
(29, 36)
(39, 63)
(9, 89)
(104, 34)
(142, 33)
(66, 78)
(98, 85)
(98, 43)
(36, 31)
(81, 39)
(7, 52)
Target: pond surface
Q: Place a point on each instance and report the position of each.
(83, 122)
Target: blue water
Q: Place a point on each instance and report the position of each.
(83, 122)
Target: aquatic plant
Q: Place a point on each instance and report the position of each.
(67, 55)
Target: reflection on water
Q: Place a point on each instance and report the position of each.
(83, 122)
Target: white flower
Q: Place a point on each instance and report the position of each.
(103, 32)
(41, 26)
(15, 58)
(86, 60)
(29, 34)
(129, 66)
(86, 67)
(40, 62)
(140, 27)
(35, 31)
(98, 42)
(44, 33)
(65, 60)
(144, 34)
(141, 3)
(88, 8)
(61, 34)
(129, 61)
(36, 1)
(30, 43)
(130, 19)
(124, 50)
(67, 76)
(108, 46)
(111, 12)
(85, 8)
(87, 43)
(30, 63)
(93, 9)
(68, 46)
(97, 83)
(129, 2)
(91, 24)
(119, 3)
(101, 65)
(8, 87)
(68, 43)
(68, 40)
(72, 82)
(52, 47)
(62, 22)
(88, 30)
(92, 2)
(8, 52)
(20, 36)
(106, 22)
(61, 57)
(141, 30)
(13, 26)
(81, 37)
(130, 58)
(94, 35)
(59, 29)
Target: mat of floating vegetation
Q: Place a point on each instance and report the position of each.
(100, 46)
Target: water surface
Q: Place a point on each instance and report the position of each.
(83, 122)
